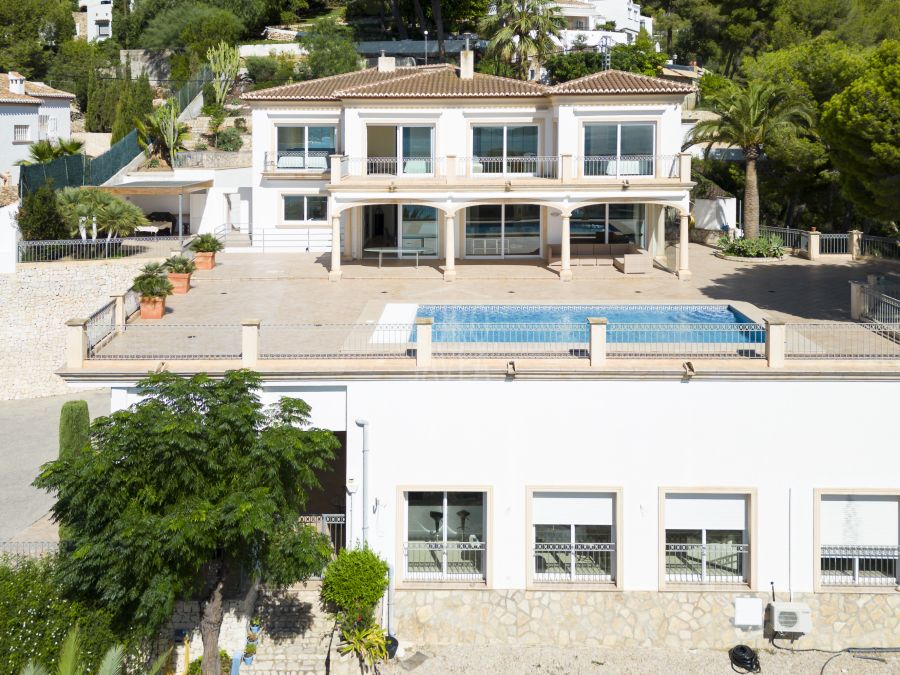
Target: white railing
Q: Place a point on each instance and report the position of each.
(628, 166)
(313, 161)
(842, 341)
(102, 323)
(336, 341)
(707, 563)
(513, 167)
(68, 250)
(444, 561)
(579, 563)
(164, 342)
(332, 524)
(407, 167)
(520, 340)
(879, 247)
(197, 159)
(834, 243)
(720, 341)
(13, 550)
(791, 238)
(878, 306)
(860, 565)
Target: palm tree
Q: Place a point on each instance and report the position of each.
(43, 151)
(520, 30)
(750, 118)
(119, 218)
(72, 662)
(69, 146)
(162, 134)
(75, 210)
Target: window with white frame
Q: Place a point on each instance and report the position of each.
(305, 146)
(573, 537)
(706, 538)
(43, 124)
(445, 536)
(505, 149)
(304, 208)
(395, 150)
(858, 536)
(619, 149)
(21, 133)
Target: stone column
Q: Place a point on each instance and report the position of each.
(119, 317)
(684, 167)
(335, 169)
(853, 241)
(567, 169)
(334, 274)
(565, 272)
(812, 253)
(76, 343)
(597, 345)
(423, 341)
(776, 332)
(449, 247)
(450, 168)
(249, 342)
(684, 268)
(856, 299)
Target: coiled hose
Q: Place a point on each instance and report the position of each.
(745, 658)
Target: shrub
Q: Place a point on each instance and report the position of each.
(767, 246)
(210, 106)
(39, 217)
(179, 264)
(354, 583)
(230, 140)
(36, 616)
(152, 282)
(195, 667)
(369, 643)
(206, 243)
(270, 71)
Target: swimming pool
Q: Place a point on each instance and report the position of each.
(568, 323)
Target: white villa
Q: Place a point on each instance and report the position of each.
(29, 112)
(589, 21)
(93, 20)
(453, 165)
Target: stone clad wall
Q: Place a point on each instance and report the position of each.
(35, 303)
(631, 619)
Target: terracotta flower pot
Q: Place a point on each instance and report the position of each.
(181, 282)
(152, 308)
(205, 260)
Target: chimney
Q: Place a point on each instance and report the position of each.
(386, 64)
(466, 63)
(16, 83)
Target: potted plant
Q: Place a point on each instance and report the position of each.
(249, 653)
(153, 287)
(180, 269)
(252, 638)
(255, 625)
(205, 247)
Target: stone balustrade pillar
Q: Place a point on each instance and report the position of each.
(449, 248)
(450, 165)
(597, 341)
(250, 342)
(334, 274)
(684, 167)
(567, 169)
(812, 252)
(424, 325)
(119, 311)
(856, 299)
(335, 168)
(853, 243)
(776, 333)
(684, 267)
(76, 343)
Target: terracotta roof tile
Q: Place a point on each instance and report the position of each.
(34, 91)
(620, 82)
(324, 88)
(444, 82)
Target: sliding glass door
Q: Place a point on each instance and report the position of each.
(609, 224)
(499, 231)
(399, 150)
(504, 149)
(403, 228)
(619, 149)
(305, 147)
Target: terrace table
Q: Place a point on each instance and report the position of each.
(381, 250)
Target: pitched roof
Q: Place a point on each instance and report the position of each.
(620, 82)
(324, 88)
(34, 92)
(443, 81)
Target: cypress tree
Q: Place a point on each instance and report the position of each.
(39, 218)
(123, 122)
(74, 434)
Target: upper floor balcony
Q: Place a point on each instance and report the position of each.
(481, 170)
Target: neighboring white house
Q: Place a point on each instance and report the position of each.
(461, 165)
(590, 21)
(93, 20)
(29, 112)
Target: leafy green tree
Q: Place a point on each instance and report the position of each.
(862, 127)
(39, 217)
(330, 49)
(135, 103)
(270, 71)
(31, 32)
(638, 57)
(750, 119)
(798, 21)
(563, 67)
(193, 27)
(870, 22)
(521, 30)
(71, 68)
(185, 488)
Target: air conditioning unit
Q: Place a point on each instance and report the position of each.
(794, 618)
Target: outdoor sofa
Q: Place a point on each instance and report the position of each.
(627, 258)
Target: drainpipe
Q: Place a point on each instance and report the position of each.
(365, 481)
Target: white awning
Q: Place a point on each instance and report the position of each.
(706, 512)
(860, 520)
(573, 508)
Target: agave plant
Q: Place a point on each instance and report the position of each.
(72, 660)
(161, 134)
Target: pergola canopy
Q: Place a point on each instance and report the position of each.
(157, 187)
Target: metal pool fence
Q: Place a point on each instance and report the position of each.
(336, 341)
(67, 250)
(842, 341)
(731, 341)
(142, 341)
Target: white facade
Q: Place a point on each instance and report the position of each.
(590, 21)
(93, 21)
(29, 112)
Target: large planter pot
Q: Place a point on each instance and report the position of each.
(391, 644)
(248, 660)
(205, 260)
(152, 308)
(181, 282)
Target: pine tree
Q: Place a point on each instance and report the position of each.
(74, 434)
